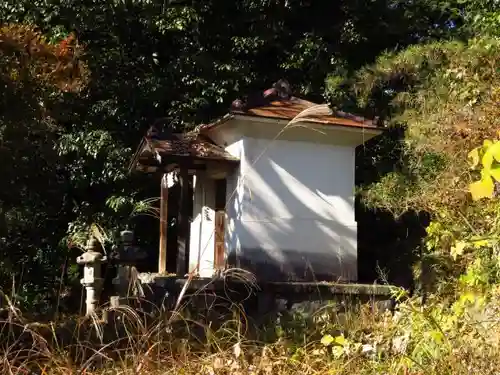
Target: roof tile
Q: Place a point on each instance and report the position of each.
(189, 145)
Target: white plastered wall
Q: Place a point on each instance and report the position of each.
(292, 211)
(290, 204)
(201, 246)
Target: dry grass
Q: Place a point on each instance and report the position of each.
(436, 339)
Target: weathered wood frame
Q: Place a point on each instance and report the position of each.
(150, 159)
(220, 254)
(162, 253)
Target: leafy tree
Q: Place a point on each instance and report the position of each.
(176, 63)
(35, 76)
(444, 95)
(482, 17)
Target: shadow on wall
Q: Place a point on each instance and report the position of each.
(317, 262)
(291, 223)
(310, 182)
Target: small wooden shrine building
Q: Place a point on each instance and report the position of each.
(271, 188)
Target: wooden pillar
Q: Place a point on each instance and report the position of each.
(220, 225)
(162, 257)
(219, 256)
(183, 231)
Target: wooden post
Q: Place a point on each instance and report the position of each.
(162, 257)
(219, 261)
(220, 218)
(183, 233)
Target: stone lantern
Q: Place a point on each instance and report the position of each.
(91, 259)
(125, 255)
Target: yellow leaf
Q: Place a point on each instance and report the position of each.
(482, 189)
(474, 157)
(487, 143)
(495, 151)
(340, 340)
(437, 336)
(327, 340)
(458, 249)
(480, 243)
(487, 160)
(467, 297)
(495, 173)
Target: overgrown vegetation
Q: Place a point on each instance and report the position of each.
(443, 337)
(36, 78)
(444, 94)
(80, 88)
(174, 64)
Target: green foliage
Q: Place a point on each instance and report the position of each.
(173, 63)
(482, 16)
(446, 335)
(180, 63)
(36, 76)
(445, 94)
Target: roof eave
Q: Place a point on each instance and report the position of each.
(135, 158)
(220, 121)
(283, 121)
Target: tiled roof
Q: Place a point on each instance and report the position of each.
(274, 103)
(192, 146)
(177, 147)
(287, 109)
(278, 103)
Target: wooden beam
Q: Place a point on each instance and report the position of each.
(162, 257)
(183, 231)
